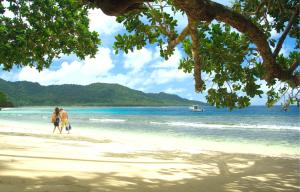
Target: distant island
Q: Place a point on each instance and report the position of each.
(23, 93)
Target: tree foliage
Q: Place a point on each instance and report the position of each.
(34, 32)
(229, 50)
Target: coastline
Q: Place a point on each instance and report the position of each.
(40, 161)
(144, 139)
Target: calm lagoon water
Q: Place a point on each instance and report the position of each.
(255, 126)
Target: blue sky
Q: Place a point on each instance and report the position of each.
(141, 70)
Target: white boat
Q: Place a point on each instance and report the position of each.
(196, 108)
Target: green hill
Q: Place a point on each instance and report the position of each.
(25, 93)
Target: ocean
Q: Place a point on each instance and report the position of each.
(256, 129)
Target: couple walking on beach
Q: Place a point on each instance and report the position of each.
(60, 119)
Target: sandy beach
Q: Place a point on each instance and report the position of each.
(41, 161)
(149, 96)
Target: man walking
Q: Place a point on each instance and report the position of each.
(64, 120)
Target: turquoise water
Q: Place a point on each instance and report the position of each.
(272, 128)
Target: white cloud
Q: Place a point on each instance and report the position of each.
(7, 13)
(161, 72)
(174, 90)
(166, 71)
(274, 34)
(137, 59)
(172, 62)
(130, 80)
(83, 73)
(162, 76)
(8, 76)
(98, 69)
(102, 23)
(285, 50)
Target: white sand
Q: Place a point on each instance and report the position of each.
(36, 160)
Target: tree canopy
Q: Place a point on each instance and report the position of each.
(35, 32)
(229, 50)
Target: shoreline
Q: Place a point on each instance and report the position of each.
(39, 162)
(156, 141)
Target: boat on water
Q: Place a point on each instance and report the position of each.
(196, 108)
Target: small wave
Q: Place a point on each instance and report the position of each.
(108, 120)
(225, 126)
(6, 109)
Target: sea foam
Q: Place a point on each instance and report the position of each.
(108, 120)
(225, 126)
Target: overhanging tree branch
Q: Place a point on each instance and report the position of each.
(295, 65)
(286, 31)
(193, 25)
(118, 7)
(204, 10)
(178, 39)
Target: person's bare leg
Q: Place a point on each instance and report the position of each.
(54, 129)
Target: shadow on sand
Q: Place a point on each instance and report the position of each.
(236, 172)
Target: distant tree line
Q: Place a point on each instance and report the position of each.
(4, 102)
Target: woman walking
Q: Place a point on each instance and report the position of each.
(55, 119)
